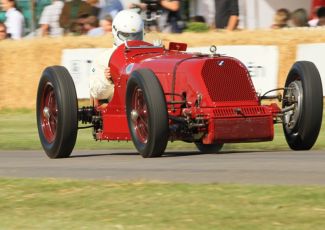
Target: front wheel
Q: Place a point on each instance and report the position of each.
(57, 112)
(147, 113)
(304, 94)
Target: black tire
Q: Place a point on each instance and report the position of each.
(208, 148)
(57, 112)
(147, 113)
(302, 125)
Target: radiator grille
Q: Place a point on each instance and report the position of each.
(227, 79)
(244, 129)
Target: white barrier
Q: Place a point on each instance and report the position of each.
(314, 53)
(78, 62)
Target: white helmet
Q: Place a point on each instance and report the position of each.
(127, 25)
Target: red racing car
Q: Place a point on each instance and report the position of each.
(165, 95)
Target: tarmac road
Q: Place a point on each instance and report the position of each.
(287, 167)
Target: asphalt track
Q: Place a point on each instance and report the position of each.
(286, 167)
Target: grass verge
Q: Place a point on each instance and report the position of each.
(18, 131)
(69, 204)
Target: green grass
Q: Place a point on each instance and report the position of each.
(67, 204)
(18, 131)
(199, 27)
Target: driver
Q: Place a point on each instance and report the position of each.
(127, 25)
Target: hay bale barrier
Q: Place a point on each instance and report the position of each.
(22, 62)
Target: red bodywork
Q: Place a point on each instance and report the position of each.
(218, 91)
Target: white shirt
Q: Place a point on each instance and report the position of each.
(50, 16)
(313, 22)
(14, 23)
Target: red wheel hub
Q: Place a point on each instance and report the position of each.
(49, 113)
(139, 115)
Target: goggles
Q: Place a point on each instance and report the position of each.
(130, 36)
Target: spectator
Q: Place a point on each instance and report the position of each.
(170, 19)
(49, 20)
(106, 24)
(73, 14)
(105, 27)
(14, 19)
(299, 18)
(281, 19)
(320, 13)
(91, 26)
(3, 31)
(171, 10)
(314, 18)
(316, 4)
(321, 16)
(109, 7)
(226, 14)
(128, 25)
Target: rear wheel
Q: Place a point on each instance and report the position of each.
(147, 113)
(57, 111)
(208, 148)
(303, 92)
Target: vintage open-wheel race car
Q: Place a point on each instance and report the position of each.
(163, 95)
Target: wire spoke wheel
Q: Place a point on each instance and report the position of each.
(57, 108)
(147, 113)
(303, 96)
(294, 97)
(49, 113)
(139, 115)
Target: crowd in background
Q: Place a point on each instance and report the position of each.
(94, 17)
(283, 18)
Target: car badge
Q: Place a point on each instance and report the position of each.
(220, 63)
